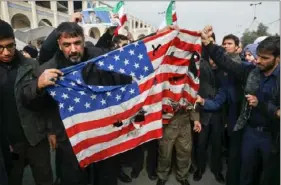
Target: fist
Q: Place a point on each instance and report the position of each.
(76, 17)
(252, 100)
(200, 100)
(167, 28)
(206, 34)
(197, 126)
(48, 78)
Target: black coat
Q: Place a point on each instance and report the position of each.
(209, 84)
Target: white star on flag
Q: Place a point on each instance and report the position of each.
(132, 91)
(137, 65)
(77, 100)
(87, 105)
(101, 63)
(121, 70)
(110, 67)
(82, 93)
(126, 62)
(118, 97)
(61, 105)
(145, 68)
(64, 96)
(70, 108)
(140, 56)
(116, 57)
(53, 93)
(103, 102)
(93, 96)
(132, 52)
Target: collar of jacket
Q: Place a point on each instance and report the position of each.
(235, 57)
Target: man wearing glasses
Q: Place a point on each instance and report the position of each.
(23, 131)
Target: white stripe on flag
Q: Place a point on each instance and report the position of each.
(161, 40)
(81, 136)
(185, 37)
(109, 111)
(97, 148)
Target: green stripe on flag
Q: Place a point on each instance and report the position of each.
(117, 7)
(169, 13)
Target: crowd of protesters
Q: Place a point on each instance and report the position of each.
(237, 113)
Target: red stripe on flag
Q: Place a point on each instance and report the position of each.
(172, 60)
(114, 135)
(175, 17)
(192, 33)
(163, 77)
(84, 126)
(154, 134)
(177, 96)
(185, 46)
(162, 50)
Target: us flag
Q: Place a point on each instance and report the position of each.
(160, 69)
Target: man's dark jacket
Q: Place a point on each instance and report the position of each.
(209, 85)
(265, 110)
(33, 123)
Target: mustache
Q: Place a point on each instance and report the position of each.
(75, 54)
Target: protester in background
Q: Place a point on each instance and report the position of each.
(30, 51)
(25, 130)
(177, 134)
(211, 78)
(259, 119)
(141, 36)
(250, 53)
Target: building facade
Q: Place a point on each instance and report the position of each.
(31, 14)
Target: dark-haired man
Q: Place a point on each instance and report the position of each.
(25, 130)
(210, 81)
(260, 115)
(230, 43)
(70, 38)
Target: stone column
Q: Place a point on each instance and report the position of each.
(54, 8)
(5, 11)
(97, 4)
(70, 7)
(84, 4)
(130, 22)
(34, 15)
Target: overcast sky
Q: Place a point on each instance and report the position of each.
(225, 16)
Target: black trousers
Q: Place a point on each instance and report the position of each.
(234, 158)
(38, 157)
(106, 171)
(151, 159)
(3, 174)
(214, 132)
(67, 165)
(135, 157)
(271, 174)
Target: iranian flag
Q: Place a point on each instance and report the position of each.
(170, 16)
(119, 10)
